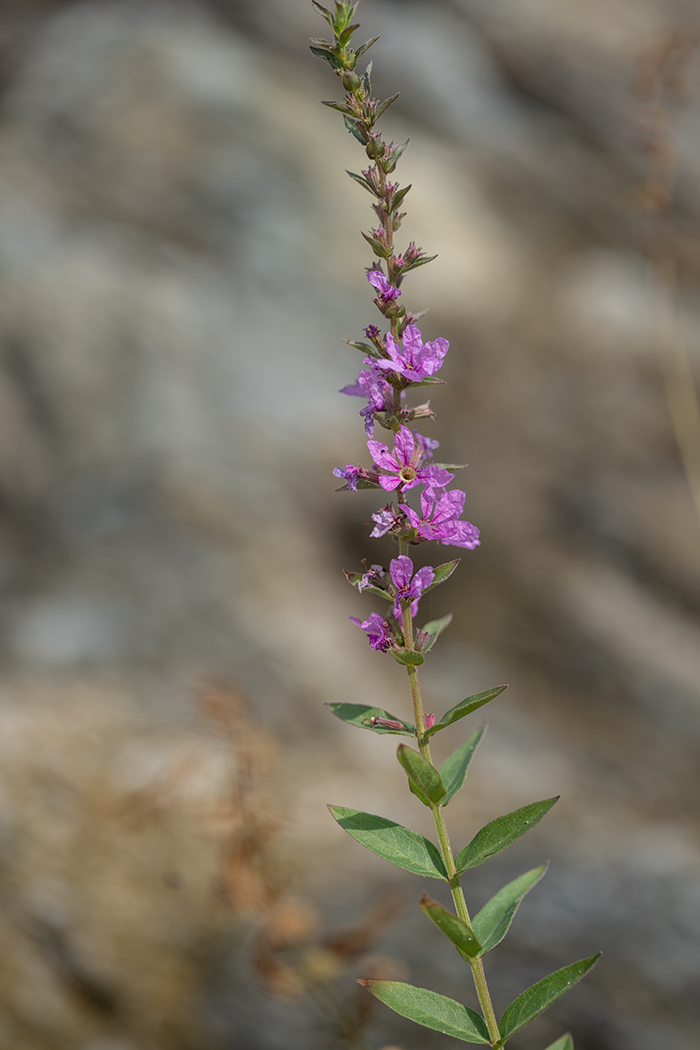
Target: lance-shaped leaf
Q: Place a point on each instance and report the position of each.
(465, 707)
(535, 1000)
(429, 381)
(368, 186)
(355, 578)
(454, 770)
(423, 777)
(389, 840)
(383, 106)
(342, 107)
(333, 60)
(454, 928)
(565, 1043)
(376, 245)
(431, 1010)
(390, 164)
(408, 656)
(442, 573)
(493, 921)
(365, 47)
(373, 718)
(325, 13)
(398, 197)
(363, 347)
(351, 125)
(418, 262)
(345, 37)
(428, 635)
(501, 833)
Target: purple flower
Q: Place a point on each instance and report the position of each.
(385, 520)
(378, 631)
(373, 575)
(374, 387)
(408, 586)
(351, 474)
(438, 519)
(371, 331)
(387, 292)
(415, 360)
(404, 464)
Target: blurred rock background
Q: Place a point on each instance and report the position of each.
(179, 258)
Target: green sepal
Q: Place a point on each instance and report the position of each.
(376, 245)
(430, 1010)
(383, 106)
(565, 1043)
(365, 47)
(454, 770)
(493, 921)
(340, 106)
(535, 1000)
(363, 182)
(353, 127)
(390, 841)
(409, 657)
(501, 833)
(419, 262)
(465, 707)
(442, 573)
(361, 715)
(428, 635)
(333, 60)
(422, 775)
(454, 928)
(396, 156)
(355, 577)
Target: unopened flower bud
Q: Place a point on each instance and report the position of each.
(351, 81)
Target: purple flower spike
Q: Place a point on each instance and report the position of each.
(438, 519)
(378, 631)
(408, 586)
(387, 292)
(416, 360)
(403, 465)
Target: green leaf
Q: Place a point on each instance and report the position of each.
(454, 928)
(419, 262)
(333, 60)
(345, 37)
(535, 1000)
(430, 1010)
(422, 775)
(408, 656)
(451, 466)
(428, 635)
(565, 1043)
(355, 577)
(389, 840)
(398, 197)
(340, 106)
(396, 156)
(429, 381)
(501, 833)
(442, 573)
(465, 707)
(324, 12)
(493, 921)
(353, 127)
(376, 245)
(365, 47)
(363, 182)
(363, 716)
(383, 106)
(362, 346)
(454, 770)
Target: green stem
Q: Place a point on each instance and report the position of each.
(477, 966)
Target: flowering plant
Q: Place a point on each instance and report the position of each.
(395, 363)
